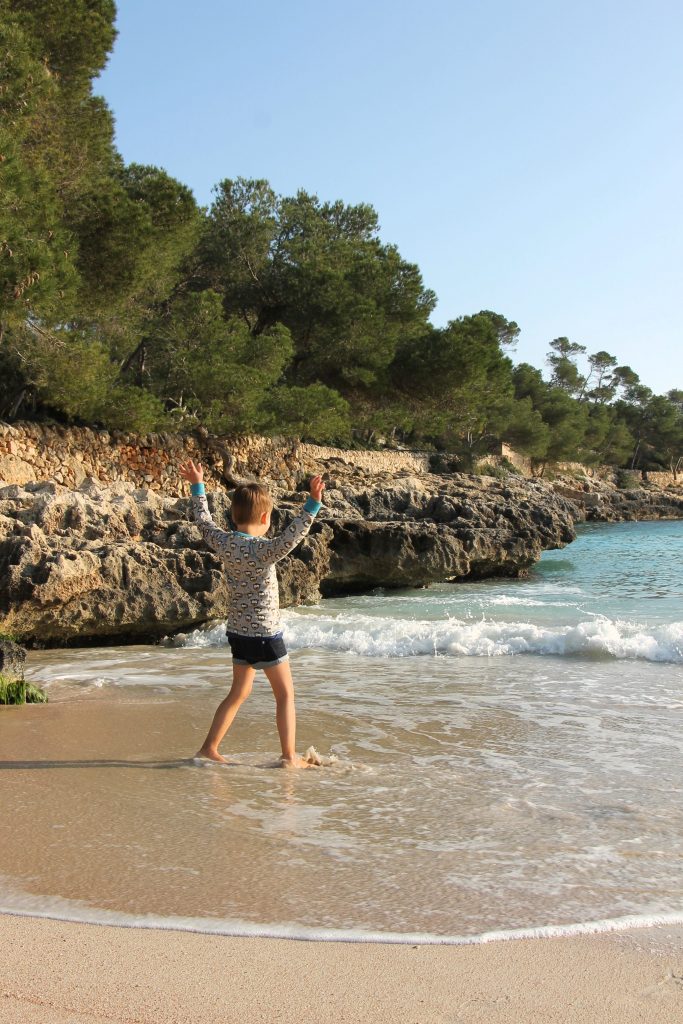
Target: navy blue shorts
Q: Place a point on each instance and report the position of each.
(257, 651)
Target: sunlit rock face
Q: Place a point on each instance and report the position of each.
(125, 563)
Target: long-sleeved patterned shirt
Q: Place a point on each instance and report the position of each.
(253, 602)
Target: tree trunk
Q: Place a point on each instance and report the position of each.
(125, 365)
(17, 405)
(635, 455)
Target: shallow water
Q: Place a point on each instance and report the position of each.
(471, 794)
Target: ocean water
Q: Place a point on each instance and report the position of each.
(504, 759)
(616, 592)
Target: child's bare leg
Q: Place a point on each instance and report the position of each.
(242, 681)
(280, 679)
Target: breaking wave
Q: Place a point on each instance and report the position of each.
(383, 637)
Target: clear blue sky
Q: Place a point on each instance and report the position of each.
(526, 154)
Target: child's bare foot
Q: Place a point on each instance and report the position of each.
(293, 762)
(212, 755)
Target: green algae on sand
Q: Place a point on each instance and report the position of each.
(19, 691)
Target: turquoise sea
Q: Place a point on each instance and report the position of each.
(505, 758)
(616, 592)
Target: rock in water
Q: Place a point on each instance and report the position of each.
(12, 658)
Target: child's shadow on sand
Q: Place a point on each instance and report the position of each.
(183, 762)
(104, 763)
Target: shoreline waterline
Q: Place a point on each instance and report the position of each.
(92, 916)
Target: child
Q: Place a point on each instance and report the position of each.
(253, 626)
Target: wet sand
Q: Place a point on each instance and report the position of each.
(470, 809)
(55, 972)
(91, 788)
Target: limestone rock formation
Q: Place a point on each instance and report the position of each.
(124, 563)
(97, 543)
(599, 501)
(417, 531)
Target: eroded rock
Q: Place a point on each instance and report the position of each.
(12, 658)
(126, 563)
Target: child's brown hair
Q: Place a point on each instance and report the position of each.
(249, 502)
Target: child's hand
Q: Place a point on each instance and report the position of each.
(193, 474)
(316, 487)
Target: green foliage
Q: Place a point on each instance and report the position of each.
(656, 425)
(489, 469)
(562, 362)
(315, 412)
(114, 233)
(25, 82)
(607, 440)
(564, 418)
(524, 428)
(18, 691)
(601, 376)
(320, 270)
(127, 407)
(56, 138)
(210, 367)
(628, 480)
(133, 232)
(123, 304)
(73, 375)
(458, 383)
(84, 241)
(507, 331)
(72, 37)
(36, 270)
(463, 357)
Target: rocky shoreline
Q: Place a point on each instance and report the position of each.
(597, 500)
(122, 563)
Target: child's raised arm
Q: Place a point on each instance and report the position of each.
(271, 551)
(212, 534)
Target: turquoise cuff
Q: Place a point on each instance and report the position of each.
(312, 506)
(197, 488)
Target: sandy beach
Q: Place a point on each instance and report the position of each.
(538, 793)
(56, 972)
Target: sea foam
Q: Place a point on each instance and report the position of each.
(21, 904)
(384, 637)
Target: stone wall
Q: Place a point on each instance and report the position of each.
(664, 479)
(605, 473)
(501, 454)
(365, 461)
(69, 455)
(520, 462)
